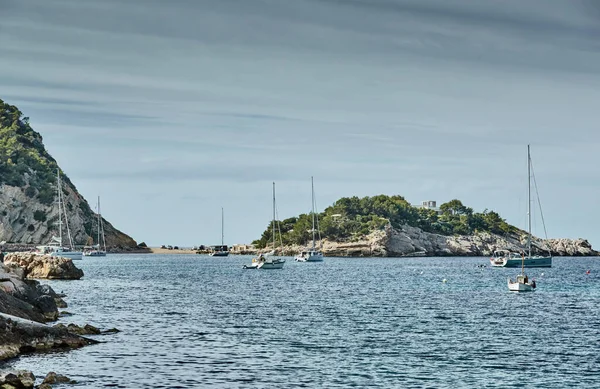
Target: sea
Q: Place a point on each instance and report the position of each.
(193, 321)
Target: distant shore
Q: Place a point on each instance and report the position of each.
(158, 250)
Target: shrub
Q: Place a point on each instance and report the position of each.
(40, 216)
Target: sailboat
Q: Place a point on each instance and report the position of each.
(95, 251)
(222, 250)
(312, 254)
(268, 262)
(55, 248)
(504, 258)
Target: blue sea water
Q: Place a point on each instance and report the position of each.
(191, 321)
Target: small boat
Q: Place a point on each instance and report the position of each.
(95, 251)
(312, 254)
(265, 263)
(268, 262)
(521, 284)
(504, 258)
(222, 250)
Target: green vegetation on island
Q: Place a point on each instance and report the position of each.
(352, 218)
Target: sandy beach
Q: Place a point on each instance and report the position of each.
(158, 250)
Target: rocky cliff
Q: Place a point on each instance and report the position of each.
(28, 191)
(412, 241)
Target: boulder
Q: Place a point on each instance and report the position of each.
(48, 307)
(18, 379)
(53, 378)
(43, 266)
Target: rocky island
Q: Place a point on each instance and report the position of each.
(389, 226)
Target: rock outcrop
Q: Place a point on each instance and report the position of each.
(18, 335)
(25, 298)
(43, 266)
(412, 241)
(24, 306)
(17, 379)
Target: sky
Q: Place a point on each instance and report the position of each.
(170, 110)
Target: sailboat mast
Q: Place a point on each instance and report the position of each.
(529, 200)
(98, 241)
(273, 218)
(222, 227)
(59, 210)
(313, 211)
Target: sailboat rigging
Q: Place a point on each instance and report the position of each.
(55, 248)
(222, 250)
(504, 258)
(312, 254)
(96, 251)
(267, 262)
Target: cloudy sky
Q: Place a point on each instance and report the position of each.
(170, 110)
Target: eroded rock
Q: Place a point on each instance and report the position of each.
(43, 266)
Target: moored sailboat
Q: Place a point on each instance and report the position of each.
(505, 258)
(268, 262)
(312, 254)
(95, 251)
(222, 250)
(55, 248)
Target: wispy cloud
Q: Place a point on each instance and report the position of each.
(429, 99)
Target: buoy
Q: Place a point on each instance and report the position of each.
(444, 280)
(587, 272)
(541, 275)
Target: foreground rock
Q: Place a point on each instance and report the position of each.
(17, 379)
(24, 379)
(411, 241)
(43, 266)
(18, 335)
(27, 298)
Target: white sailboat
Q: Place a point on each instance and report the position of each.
(504, 258)
(222, 250)
(95, 251)
(55, 248)
(268, 262)
(312, 254)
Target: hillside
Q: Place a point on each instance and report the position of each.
(390, 226)
(351, 218)
(28, 210)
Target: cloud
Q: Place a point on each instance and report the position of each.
(431, 99)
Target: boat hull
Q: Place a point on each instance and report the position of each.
(519, 286)
(528, 262)
(94, 253)
(311, 257)
(72, 255)
(271, 265)
(219, 254)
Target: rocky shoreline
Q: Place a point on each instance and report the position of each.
(413, 242)
(26, 308)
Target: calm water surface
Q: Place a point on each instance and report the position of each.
(195, 321)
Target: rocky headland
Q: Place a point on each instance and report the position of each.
(409, 241)
(28, 191)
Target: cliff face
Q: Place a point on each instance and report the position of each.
(28, 191)
(412, 241)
